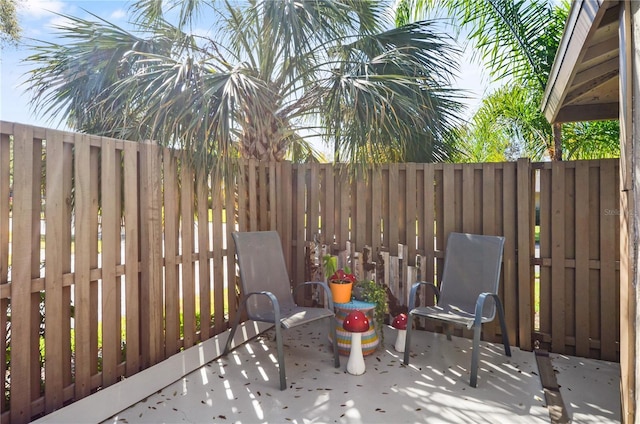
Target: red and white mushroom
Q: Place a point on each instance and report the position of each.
(356, 322)
(400, 324)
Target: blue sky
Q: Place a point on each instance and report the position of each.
(38, 16)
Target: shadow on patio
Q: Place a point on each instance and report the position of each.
(244, 386)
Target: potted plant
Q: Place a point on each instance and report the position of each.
(340, 280)
(341, 284)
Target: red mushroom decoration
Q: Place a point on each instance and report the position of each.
(400, 324)
(356, 322)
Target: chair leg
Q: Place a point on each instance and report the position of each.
(332, 329)
(447, 331)
(234, 327)
(503, 328)
(283, 378)
(407, 340)
(473, 382)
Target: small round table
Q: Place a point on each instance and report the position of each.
(370, 339)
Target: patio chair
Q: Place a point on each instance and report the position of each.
(471, 276)
(267, 295)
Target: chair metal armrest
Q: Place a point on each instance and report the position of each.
(272, 298)
(324, 285)
(414, 290)
(482, 297)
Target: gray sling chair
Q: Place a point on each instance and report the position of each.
(471, 275)
(267, 295)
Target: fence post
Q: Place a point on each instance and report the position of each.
(525, 237)
(22, 324)
(151, 307)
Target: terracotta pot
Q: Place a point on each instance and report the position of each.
(341, 292)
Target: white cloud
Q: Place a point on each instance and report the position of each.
(59, 21)
(118, 14)
(37, 9)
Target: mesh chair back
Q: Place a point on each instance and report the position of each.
(472, 266)
(262, 268)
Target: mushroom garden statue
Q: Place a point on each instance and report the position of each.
(356, 322)
(400, 324)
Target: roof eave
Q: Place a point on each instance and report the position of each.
(580, 24)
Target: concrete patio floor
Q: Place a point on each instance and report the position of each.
(434, 388)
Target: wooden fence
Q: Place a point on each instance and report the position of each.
(114, 255)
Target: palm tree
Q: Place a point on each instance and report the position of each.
(517, 42)
(265, 79)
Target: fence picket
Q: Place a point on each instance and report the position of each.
(557, 259)
(54, 252)
(24, 185)
(171, 242)
(110, 244)
(188, 294)
(609, 242)
(5, 229)
(132, 256)
(204, 279)
(582, 260)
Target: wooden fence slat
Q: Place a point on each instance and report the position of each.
(449, 204)
(5, 172)
(328, 216)
(186, 234)
(66, 242)
(385, 209)
(545, 251)
(314, 202)
(468, 200)
(252, 205)
(609, 320)
(204, 278)
(361, 205)
(344, 191)
(392, 217)
(301, 208)
(132, 292)
(94, 193)
(230, 213)
(410, 214)
(509, 277)
(376, 211)
(151, 264)
(217, 211)
(21, 296)
(286, 202)
(429, 217)
(489, 227)
(525, 233)
(110, 244)
(273, 200)
(264, 200)
(569, 254)
(582, 259)
(557, 258)
(117, 233)
(53, 272)
(36, 240)
(171, 242)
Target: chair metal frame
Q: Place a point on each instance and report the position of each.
(450, 313)
(284, 312)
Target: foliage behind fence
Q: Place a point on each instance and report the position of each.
(114, 255)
